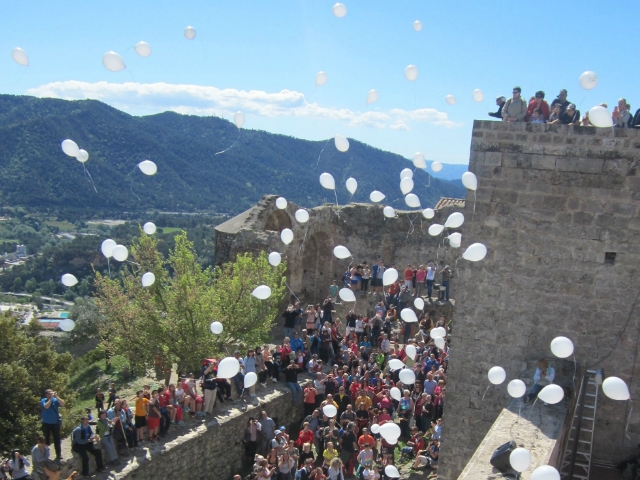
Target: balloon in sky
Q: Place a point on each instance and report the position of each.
(588, 80)
(302, 216)
(438, 332)
(406, 173)
(428, 213)
(600, 117)
(275, 258)
(342, 143)
(389, 212)
(520, 459)
(107, 247)
(455, 239)
(189, 33)
(149, 228)
(327, 181)
(450, 99)
(372, 96)
(411, 73)
(262, 292)
(70, 147)
(475, 252)
(478, 95)
(615, 388)
(82, 156)
(376, 196)
(439, 341)
(69, 280)
(562, 347)
(66, 325)
(347, 295)
(341, 252)
(120, 253)
(286, 236)
(436, 166)
(469, 180)
(412, 200)
(281, 203)
(330, 410)
(406, 185)
(250, 379)
(228, 368)
(408, 377)
(143, 49)
(389, 276)
(148, 279)
(497, 375)
(455, 220)
(352, 185)
(113, 62)
(545, 472)
(552, 394)
(238, 119)
(339, 10)
(419, 161)
(417, 25)
(411, 351)
(418, 303)
(20, 57)
(391, 471)
(435, 229)
(408, 315)
(216, 328)
(516, 388)
(148, 167)
(396, 364)
(396, 394)
(321, 78)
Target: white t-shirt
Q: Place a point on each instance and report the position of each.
(359, 325)
(431, 273)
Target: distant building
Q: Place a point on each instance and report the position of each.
(21, 251)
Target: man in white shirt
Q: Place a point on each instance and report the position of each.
(431, 275)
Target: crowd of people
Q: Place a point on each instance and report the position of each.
(561, 111)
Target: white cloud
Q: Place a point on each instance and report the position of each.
(209, 100)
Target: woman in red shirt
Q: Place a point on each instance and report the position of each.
(306, 435)
(538, 102)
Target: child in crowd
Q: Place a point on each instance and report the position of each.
(99, 400)
(112, 394)
(153, 419)
(537, 117)
(141, 413)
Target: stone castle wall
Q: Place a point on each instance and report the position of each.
(554, 206)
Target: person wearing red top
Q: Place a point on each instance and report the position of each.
(365, 439)
(305, 436)
(164, 402)
(309, 398)
(408, 277)
(421, 275)
(538, 102)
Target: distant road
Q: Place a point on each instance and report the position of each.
(50, 299)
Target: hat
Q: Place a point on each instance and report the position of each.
(282, 429)
(501, 97)
(571, 106)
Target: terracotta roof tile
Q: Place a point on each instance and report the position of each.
(449, 202)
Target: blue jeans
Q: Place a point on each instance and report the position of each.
(288, 332)
(238, 381)
(296, 391)
(535, 390)
(445, 295)
(429, 288)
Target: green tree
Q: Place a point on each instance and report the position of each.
(90, 324)
(29, 364)
(172, 318)
(31, 285)
(17, 284)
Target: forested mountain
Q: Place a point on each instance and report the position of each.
(35, 173)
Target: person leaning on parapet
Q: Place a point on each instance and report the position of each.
(538, 102)
(561, 100)
(571, 116)
(621, 115)
(515, 108)
(500, 103)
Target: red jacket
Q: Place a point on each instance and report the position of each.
(544, 108)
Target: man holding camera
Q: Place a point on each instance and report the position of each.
(51, 420)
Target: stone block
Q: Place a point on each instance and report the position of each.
(543, 162)
(567, 164)
(590, 165)
(493, 159)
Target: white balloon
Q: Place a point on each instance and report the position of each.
(391, 430)
(113, 62)
(286, 236)
(281, 203)
(408, 315)
(436, 166)
(262, 292)
(148, 167)
(417, 25)
(372, 96)
(275, 258)
(497, 375)
(545, 472)
(406, 185)
(435, 229)
(389, 212)
(455, 239)
(341, 252)
(439, 342)
(478, 95)
(189, 33)
(376, 196)
(352, 185)
(250, 379)
(302, 215)
(396, 364)
(520, 459)
(600, 117)
(70, 147)
(339, 10)
(406, 173)
(82, 156)
(342, 143)
(107, 247)
(615, 388)
(327, 181)
(450, 99)
(228, 367)
(391, 471)
(407, 376)
(321, 78)
(428, 213)
(419, 161)
(216, 328)
(516, 388)
(120, 253)
(455, 220)
(418, 303)
(347, 295)
(66, 325)
(375, 428)
(438, 332)
(149, 228)
(411, 73)
(143, 49)
(148, 279)
(389, 276)
(588, 80)
(238, 119)
(469, 180)
(475, 252)
(551, 394)
(562, 347)
(412, 200)
(69, 280)
(411, 351)
(330, 410)
(20, 57)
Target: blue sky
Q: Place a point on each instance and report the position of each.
(261, 57)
